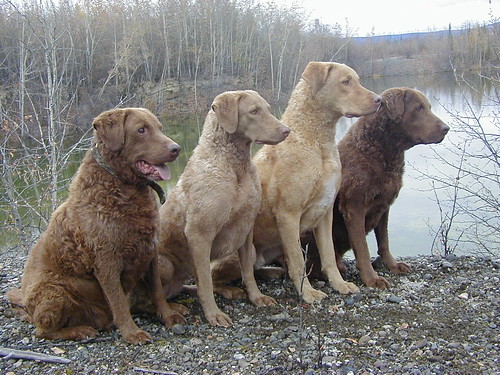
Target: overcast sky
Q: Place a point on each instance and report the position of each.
(400, 16)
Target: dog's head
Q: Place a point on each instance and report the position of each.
(412, 111)
(336, 87)
(247, 114)
(133, 139)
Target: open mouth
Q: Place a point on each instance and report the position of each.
(155, 172)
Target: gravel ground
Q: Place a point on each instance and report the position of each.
(443, 318)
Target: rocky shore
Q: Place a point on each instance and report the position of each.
(442, 318)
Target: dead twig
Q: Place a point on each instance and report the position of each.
(151, 371)
(32, 356)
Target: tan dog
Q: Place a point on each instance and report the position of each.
(101, 241)
(372, 156)
(211, 211)
(300, 177)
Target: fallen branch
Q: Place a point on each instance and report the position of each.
(26, 354)
(151, 371)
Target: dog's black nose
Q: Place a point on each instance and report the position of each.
(174, 149)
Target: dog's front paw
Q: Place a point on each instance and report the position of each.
(173, 318)
(345, 287)
(230, 292)
(313, 295)
(377, 282)
(400, 267)
(218, 318)
(138, 337)
(263, 300)
(83, 332)
(179, 308)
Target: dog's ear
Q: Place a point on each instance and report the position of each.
(316, 74)
(110, 128)
(225, 107)
(394, 102)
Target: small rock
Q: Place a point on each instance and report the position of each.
(178, 329)
(464, 296)
(419, 344)
(328, 360)
(349, 301)
(280, 317)
(357, 297)
(377, 264)
(238, 356)
(427, 276)
(394, 299)
(446, 265)
(380, 364)
(451, 257)
(363, 339)
(436, 358)
(395, 347)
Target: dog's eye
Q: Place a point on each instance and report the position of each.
(254, 111)
(141, 130)
(420, 108)
(346, 82)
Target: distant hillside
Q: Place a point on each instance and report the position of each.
(418, 35)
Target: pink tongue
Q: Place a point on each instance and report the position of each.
(163, 170)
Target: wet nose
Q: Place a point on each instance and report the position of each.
(377, 99)
(285, 130)
(174, 149)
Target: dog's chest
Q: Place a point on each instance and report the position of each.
(322, 202)
(243, 204)
(378, 200)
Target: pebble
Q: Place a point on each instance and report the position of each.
(364, 340)
(280, 317)
(446, 265)
(394, 299)
(419, 344)
(178, 329)
(380, 364)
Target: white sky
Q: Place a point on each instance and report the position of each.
(399, 16)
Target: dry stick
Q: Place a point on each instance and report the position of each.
(147, 370)
(26, 354)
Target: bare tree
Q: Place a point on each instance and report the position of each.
(466, 185)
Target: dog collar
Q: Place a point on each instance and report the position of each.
(98, 158)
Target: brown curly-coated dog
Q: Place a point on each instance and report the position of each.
(102, 240)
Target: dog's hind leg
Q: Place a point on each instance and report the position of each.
(247, 260)
(53, 310)
(323, 235)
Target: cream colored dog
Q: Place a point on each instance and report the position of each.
(301, 177)
(211, 211)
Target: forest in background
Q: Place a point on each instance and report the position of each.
(63, 62)
(62, 59)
